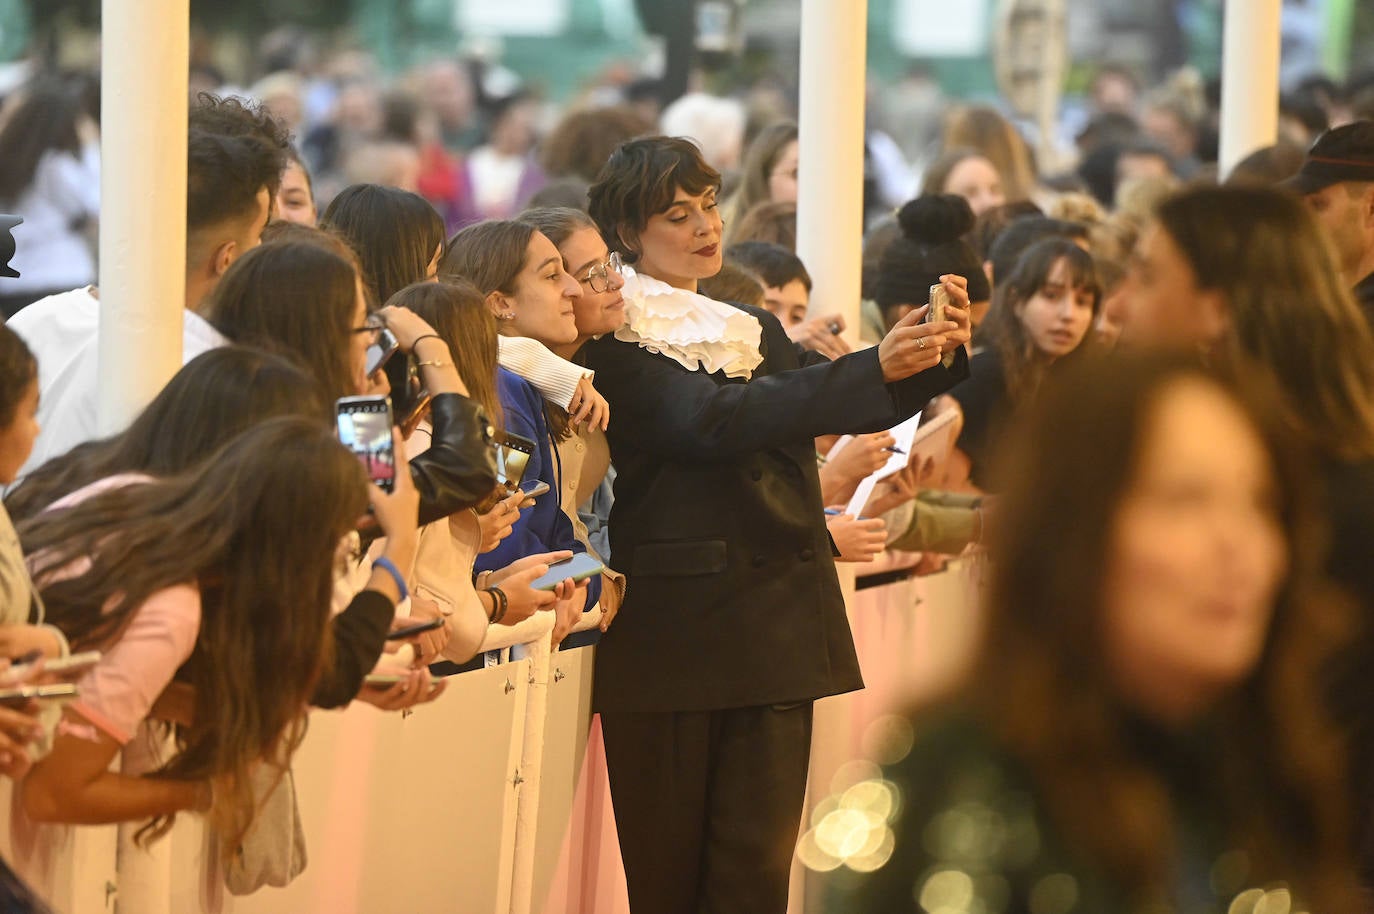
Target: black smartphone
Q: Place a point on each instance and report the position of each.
(419, 629)
(364, 425)
(512, 456)
(380, 352)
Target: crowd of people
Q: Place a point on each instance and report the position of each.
(1162, 395)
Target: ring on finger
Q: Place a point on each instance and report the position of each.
(921, 343)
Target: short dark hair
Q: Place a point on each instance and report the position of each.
(640, 179)
(733, 284)
(395, 233)
(233, 151)
(772, 264)
(1006, 249)
(18, 369)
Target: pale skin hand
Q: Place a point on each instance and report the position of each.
(587, 405)
(427, 645)
(417, 688)
(408, 328)
(817, 335)
(897, 489)
(610, 601)
(901, 354)
(570, 599)
(498, 523)
(18, 640)
(522, 600)
(858, 459)
(859, 540)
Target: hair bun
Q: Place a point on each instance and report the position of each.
(936, 218)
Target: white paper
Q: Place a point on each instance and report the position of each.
(909, 438)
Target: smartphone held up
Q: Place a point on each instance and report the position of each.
(364, 427)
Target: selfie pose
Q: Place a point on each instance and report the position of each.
(733, 621)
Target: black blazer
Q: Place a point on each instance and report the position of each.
(732, 599)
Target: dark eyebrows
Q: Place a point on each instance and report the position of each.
(709, 193)
(547, 261)
(591, 263)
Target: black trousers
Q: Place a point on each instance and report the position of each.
(708, 805)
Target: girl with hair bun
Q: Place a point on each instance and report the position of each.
(931, 245)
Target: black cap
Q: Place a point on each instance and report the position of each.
(1341, 154)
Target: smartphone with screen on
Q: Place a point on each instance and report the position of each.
(364, 426)
(512, 456)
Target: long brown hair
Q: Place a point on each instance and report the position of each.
(213, 398)
(1023, 366)
(760, 159)
(1278, 765)
(255, 527)
(457, 311)
(490, 255)
(296, 297)
(1290, 312)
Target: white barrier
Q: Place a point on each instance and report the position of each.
(477, 802)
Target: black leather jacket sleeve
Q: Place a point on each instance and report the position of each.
(459, 468)
(359, 634)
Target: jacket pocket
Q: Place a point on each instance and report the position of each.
(681, 559)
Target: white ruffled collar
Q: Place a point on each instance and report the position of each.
(689, 328)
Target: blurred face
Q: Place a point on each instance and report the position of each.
(1111, 316)
(977, 181)
(295, 203)
(16, 440)
(782, 180)
(681, 244)
(1058, 315)
(1164, 305)
(595, 313)
(542, 306)
(788, 303)
(1348, 220)
(1196, 559)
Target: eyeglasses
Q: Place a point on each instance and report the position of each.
(599, 275)
(374, 326)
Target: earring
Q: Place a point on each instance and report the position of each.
(506, 316)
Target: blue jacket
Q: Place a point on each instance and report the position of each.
(543, 528)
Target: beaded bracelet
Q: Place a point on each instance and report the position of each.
(500, 604)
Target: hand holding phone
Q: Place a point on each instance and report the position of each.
(533, 488)
(410, 631)
(16, 696)
(579, 568)
(939, 301)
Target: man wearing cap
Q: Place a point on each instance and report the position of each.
(1337, 180)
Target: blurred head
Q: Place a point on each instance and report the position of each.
(1244, 274)
(583, 140)
(42, 119)
(302, 297)
(1337, 181)
(970, 175)
(770, 222)
(600, 306)
(1179, 587)
(296, 196)
(713, 124)
(655, 203)
(769, 172)
(398, 235)
(18, 403)
(520, 275)
(985, 130)
(734, 284)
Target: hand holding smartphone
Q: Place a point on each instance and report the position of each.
(580, 567)
(939, 301)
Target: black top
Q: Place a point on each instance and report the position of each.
(986, 404)
(732, 599)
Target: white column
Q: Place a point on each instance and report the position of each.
(830, 159)
(145, 57)
(1249, 79)
(831, 154)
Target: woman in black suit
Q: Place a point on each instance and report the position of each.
(733, 621)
